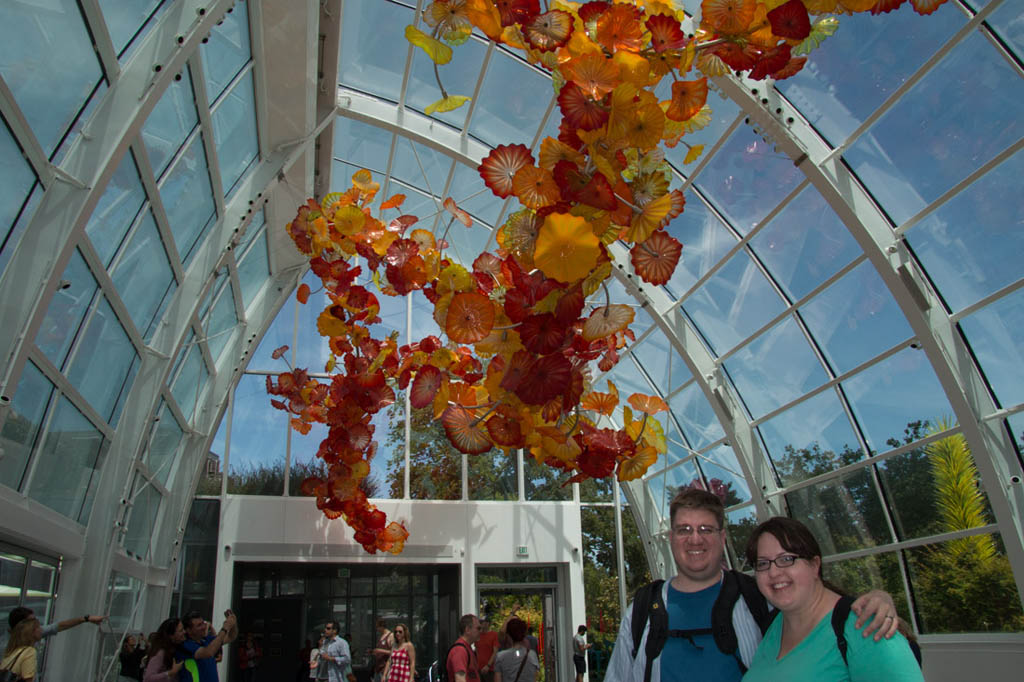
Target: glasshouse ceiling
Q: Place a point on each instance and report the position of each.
(850, 280)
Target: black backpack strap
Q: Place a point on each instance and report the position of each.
(839, 615)
(649, 607)
(734, 586)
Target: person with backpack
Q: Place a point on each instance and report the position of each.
(706, 622)
(460, 663)
(800, 645)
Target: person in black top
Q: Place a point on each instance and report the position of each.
(131, 660)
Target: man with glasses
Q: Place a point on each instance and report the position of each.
(689, 645)
(336, 652)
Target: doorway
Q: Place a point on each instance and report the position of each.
(536, 601)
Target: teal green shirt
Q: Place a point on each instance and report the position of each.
(817, 658)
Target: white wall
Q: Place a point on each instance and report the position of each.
(960, 658)
(460, 532)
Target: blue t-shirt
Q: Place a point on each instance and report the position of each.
(686, 661)
(196, 669)
(817, 657)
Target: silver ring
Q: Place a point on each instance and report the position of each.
(888, 618)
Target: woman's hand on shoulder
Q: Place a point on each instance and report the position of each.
(175, 668)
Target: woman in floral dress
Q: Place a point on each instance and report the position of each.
(403, 657)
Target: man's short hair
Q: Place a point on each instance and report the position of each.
(466, 622)
(581, 629)
(335, 625)
(18, 614)
(189, 617)
(696, 498)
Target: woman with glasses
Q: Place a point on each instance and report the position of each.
(801, 644)
(403, 657)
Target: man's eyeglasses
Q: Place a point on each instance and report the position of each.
(784, 561)
(702, 530)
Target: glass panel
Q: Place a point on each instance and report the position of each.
(696, 419)
(888, 48)
(804, 244)
(909, 483)
(928, 141)
(388, 464)
(214, 290)
(143, 274)
(876, 572)
(628, 378)
(21, 427)
(471, 194)
(995, 334)
(733, 303)
(596, 490)
(368, 146)
(163, 449)
(116, 209)
(170, 122)
(504, 114)
(311, 349)
(776, 368)
(965, 585)
(188, 198)
(105, 363)
(12, 579)
(211, 478)
(967, 244)
(125, 18)
(739, 524)
(368, 60)
(460, 77)
(280, 333)
(227, 50)
(18, 178)
(305, 463)
(145, 505)
(435, 470)
(254, 269)
(1006, 22)
(660, 362)
(258, 441)
(13, 233)
(810, 438)
(223, 319)
(855, 319)
(50, 92)
(540, 481)
(66, 311)
(664, 485)
(67, 471)
(747, 178)
(190, 382)
(724, 476)
(416, 164)
(896, 392)
(123, 592)
(844, 513)
(492, 476)
(234, 132)
(723, 112)
(705, 241)
(252, 230)
(1015, 424)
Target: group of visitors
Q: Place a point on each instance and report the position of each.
(786, 623)
(510, 656)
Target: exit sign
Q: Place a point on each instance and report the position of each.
(521, 550)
